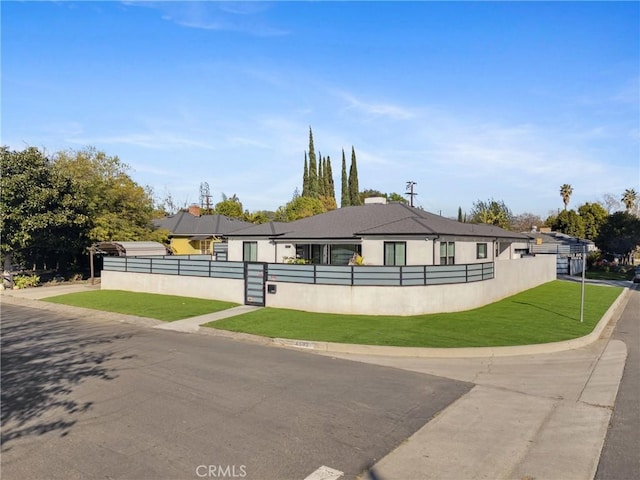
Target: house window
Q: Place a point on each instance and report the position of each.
(205, 247)
(341, 254)
(481, 250)
(395, 253)
(447, 253)
(328, 254)
(250, 251)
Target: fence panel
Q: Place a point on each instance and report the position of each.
(361, 275)
(334, 274)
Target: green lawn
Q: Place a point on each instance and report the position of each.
(548, 313)
(602, 275)
(160, 307)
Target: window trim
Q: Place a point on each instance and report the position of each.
(479, 255)
(253, 252)
(449, 257)
(395, 253)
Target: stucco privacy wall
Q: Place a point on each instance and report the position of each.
(226, 289)
(511, 276)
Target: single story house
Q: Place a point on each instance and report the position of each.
(192, 233)
(382, 234)
(413, 262)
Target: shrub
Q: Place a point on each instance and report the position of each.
(25, 281)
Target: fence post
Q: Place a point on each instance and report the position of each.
(314, 274)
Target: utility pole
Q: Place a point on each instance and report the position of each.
(410, 191)
(205, 197)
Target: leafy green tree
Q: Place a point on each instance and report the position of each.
(491, 212)
(345, 199)
(301, 207)
(619, 234)
(593, 216)
(396, 197)
(569, 223)
(119, 208)
(256, 217)
(354, 193)
(566, 191)
(230, 207)
(369, 193)
(44, 222)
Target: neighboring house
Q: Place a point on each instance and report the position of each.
(192, 233)
(383, 234)
(547, 241)
(568, 249)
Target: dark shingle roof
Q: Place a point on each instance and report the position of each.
(269, 229)
(375, 219)
(183, 223)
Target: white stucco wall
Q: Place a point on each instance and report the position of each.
(511, 277)
(229, 290)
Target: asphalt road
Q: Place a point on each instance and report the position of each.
(84, 398)
(620, 458)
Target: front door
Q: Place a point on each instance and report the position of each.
(254, 281)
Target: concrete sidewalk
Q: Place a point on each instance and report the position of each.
(192, 325)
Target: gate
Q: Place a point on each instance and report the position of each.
(254, 281)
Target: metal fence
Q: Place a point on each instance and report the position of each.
(173, 265)
(380, 275)
(311, 274)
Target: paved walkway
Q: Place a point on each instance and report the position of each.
(542, 416)
(192, 325)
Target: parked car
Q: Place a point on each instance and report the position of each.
(636, 276)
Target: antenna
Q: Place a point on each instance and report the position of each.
(410, 191)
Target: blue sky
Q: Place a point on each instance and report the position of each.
(503, 100)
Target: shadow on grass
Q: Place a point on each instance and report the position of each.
(44, 357)
(546, 310)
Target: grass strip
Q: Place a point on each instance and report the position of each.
(547, 313)
(161, 307)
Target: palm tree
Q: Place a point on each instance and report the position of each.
(566, 191)
(629, 198)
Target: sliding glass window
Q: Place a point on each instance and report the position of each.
(395, 253)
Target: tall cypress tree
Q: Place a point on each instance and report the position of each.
(354, 191)
(313, 169)
(305, 178)
(321, 192)
(328, 179)
(345, 199)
